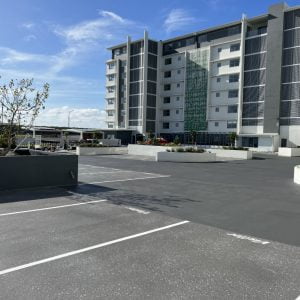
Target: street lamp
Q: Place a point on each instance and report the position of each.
(69, 115)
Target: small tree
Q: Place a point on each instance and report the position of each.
(176, 140)
(21, 103)
(232, 138)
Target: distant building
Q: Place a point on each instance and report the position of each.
(241, 77)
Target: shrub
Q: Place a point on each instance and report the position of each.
(176, 140)
(180, 150)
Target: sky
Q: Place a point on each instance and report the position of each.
(64, 42)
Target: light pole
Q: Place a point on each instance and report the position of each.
(69, 115)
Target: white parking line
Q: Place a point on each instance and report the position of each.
(119, 180)
(53, 258)
(104, 172)
(51, 207)
(140, 211)
(249, 238)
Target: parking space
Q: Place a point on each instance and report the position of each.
(134, 230)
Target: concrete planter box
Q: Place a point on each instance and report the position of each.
(238, 154)
(185, 157)
(146, 150)
(289, 152)
(100, 150)
(38, 171)
(297, 174)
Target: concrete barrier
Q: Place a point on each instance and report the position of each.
(38, 171)
(185, 157)
(237, 154)
(146, 150)
(100, 150)
(297, 174)
(289, 152)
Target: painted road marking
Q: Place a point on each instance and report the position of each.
(51, 207)
(298, 298)
(249, 238)
(79, 251)
(140, 211)
(119, 180)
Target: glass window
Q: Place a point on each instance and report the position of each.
(111, 65)
(110, 113)
(111, 77)
(168, 61)
(178, 71)
(110, 89)
(179, 58)
(151, 87)
(177, 124)
(167, 87)
(219, 79)
(233, 93)
(235, 47)
(216, 124)
(231, 124)
(166, 112)
(152, 61)
(217, 109)
(234, 77)
(166, 125)
(110, 101)
(178, 85)
(167, 100)
(167, 74)
(177, 111)
(217, 94)
(177, 98)
(232, 109)
(152, 74)
(234, 63)
(219, 50)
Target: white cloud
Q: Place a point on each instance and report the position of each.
(30, 37)
(11, 56)
(28, 25)
(79, 117)
(177, 19)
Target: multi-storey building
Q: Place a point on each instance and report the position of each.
(242, 77)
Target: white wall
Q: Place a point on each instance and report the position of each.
(292, 134)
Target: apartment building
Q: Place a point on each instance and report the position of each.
(242, 77)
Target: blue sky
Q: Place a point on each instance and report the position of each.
(64, 42)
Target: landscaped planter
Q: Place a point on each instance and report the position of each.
(38, 171)
(185, 157)
(238, 154)
(100, 150)
(297, 174)
(289, 152)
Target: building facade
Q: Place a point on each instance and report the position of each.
(242, 77)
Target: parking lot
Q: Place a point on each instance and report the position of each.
(135, 229)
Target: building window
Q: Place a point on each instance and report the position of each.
(178, 71)
(178, 85)
(234, 63)
(219, 65)
(234, 77)
(231, 124)
(235, 47)
(232, 109)
(110, 125)
(110, 101)
(219, 50)
(216, 124)
(110, 89)
(111, 77)
(233, 93)
(166, 112)
(111, 65)
(219, 79)
(177, 111)
(217, 109)
(167, 87)
(177, 124)
(110, 113)
(166, 125)
(167, 100)
(217, 94)
(167, 74)
(179, 58)
(177, 98)
(168, 61)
